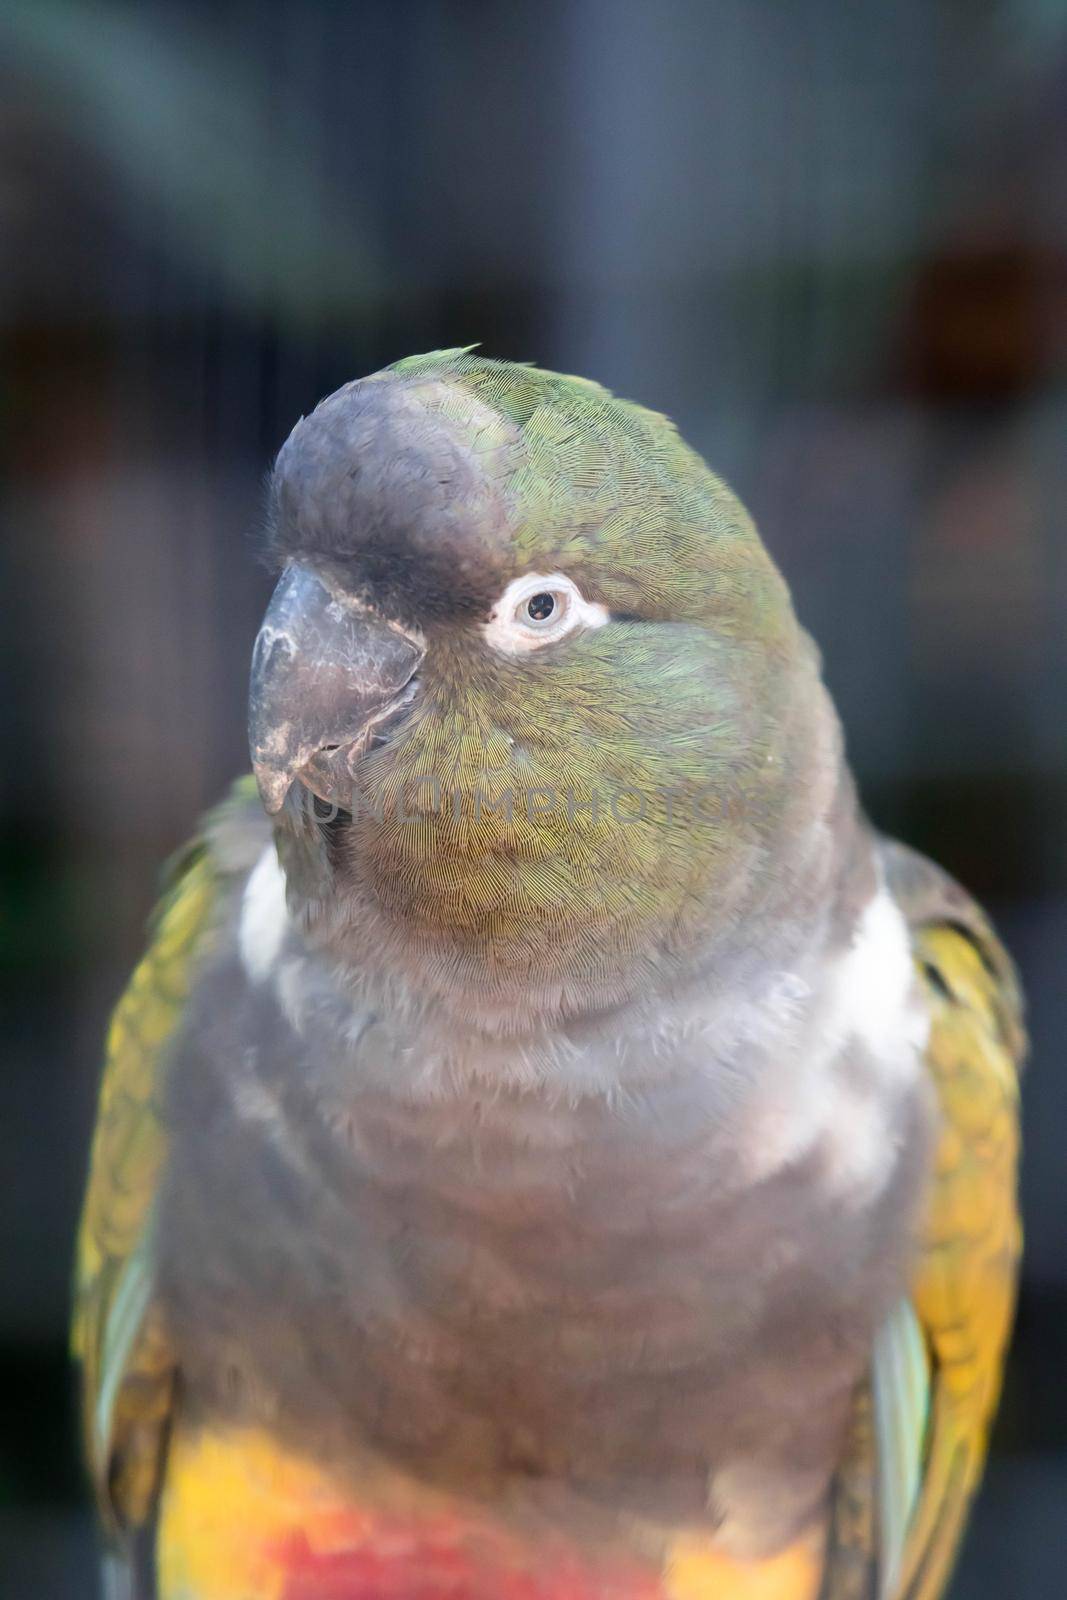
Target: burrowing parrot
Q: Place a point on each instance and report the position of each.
(553, 1147)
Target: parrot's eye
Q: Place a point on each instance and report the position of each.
(540, 607)
(537, 610)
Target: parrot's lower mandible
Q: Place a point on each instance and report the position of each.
(553, 1147)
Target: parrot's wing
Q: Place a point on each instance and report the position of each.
(128, 1374)
(920, 1429)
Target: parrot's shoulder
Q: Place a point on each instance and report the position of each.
(117, 1335)
(953, 940)
(236, 832)
(938, 1361)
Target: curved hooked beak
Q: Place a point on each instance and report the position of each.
(324, 675)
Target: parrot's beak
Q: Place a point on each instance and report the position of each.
(325, 674)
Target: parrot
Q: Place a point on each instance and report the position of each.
(554, 1147)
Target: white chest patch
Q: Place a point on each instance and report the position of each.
(868, 1002)
(264, 916)
(874, 992)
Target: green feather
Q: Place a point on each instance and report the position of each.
(901, 1385)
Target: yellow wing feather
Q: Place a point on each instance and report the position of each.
(906, 1482)
(964, 1289)
(116, 1333)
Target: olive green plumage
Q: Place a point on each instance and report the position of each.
(609, 492)
(651, 766)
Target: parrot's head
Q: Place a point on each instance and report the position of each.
(530, 704)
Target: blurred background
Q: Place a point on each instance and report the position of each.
(830, 240)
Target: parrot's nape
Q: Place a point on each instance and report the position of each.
(553, 1148)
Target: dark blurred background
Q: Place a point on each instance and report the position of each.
(829, 239)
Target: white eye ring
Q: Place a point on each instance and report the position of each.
(537, 610)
